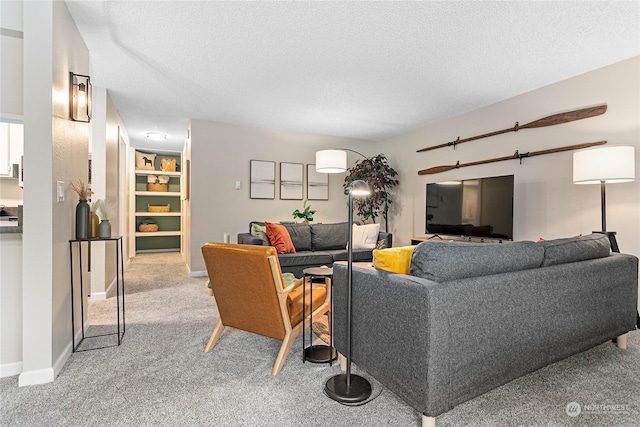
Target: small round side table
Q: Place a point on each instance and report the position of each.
(319, 353)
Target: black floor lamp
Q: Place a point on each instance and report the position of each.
(347, 387)
(609, 164)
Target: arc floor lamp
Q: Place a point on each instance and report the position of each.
(347, 387)
(608, 164)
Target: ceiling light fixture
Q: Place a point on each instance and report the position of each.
(156, 136)
(79, 97)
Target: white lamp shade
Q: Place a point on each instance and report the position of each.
(331, 161)
(609, 164)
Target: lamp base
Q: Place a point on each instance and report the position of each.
(336, 388)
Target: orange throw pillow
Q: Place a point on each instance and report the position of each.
(279, 238)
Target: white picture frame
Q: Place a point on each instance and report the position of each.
(317, 184)
(262, 179)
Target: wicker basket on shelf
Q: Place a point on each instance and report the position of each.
(157, 187)
(147, 228)
(161, 208)
(148, 225)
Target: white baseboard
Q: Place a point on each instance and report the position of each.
(66, 354)
(198, 274)
(39, 376)
(10, 369)
(97, 296)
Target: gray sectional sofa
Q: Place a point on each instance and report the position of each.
(471, 317)
(316, 245)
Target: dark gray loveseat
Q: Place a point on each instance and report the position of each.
(472, 317)
(316, 245)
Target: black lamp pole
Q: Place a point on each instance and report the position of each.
(349, 388)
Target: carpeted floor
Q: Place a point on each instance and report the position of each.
(160, 376)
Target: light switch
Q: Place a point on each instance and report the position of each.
(238, 185)
(60, 191)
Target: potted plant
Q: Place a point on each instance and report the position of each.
(382, 178)
(306, 215)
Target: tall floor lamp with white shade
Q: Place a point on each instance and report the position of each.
(347, 387)
(604, 165)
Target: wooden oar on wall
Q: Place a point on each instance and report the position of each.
(555, 119)
(516, 155)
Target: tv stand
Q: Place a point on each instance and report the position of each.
(452, 238)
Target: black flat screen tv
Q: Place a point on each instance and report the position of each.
(481, 207)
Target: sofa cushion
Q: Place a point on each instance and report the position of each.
(573, 249)
(365, 236)
(329, 236)
(300, 236)
(294, 301)
(360, 255)
(395, 260)
(305, 258)
(443, 261)
(279, 238)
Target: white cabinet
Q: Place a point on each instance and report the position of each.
(11, 147)
(168, 236)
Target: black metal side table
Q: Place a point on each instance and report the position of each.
(119, 290)
(319, 353)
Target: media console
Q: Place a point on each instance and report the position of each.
(451, 238)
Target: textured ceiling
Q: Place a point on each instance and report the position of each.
(366, 70)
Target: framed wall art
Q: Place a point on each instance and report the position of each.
(291, 181)
(317, 184)
(262, 180)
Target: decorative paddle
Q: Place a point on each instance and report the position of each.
(516, 155)
(555, 119)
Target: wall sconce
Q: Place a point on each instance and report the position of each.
(79, 98)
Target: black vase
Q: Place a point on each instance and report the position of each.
(83, 215)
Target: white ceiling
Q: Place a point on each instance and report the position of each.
(366, 70)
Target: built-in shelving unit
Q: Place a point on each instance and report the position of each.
(168, 236)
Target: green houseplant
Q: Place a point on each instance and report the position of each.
(381, 177)
(306, 214)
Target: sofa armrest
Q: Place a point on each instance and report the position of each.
(399, 334)
(387, 237)
(249, 239)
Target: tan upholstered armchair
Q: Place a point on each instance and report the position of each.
(246, 281)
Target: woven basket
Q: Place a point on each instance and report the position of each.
(146, 228)
(168, 165)
(162, 208)
(157, 187)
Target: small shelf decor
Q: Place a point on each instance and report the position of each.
(162, 208)
(147, 225)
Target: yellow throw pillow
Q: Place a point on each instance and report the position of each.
(395, 260)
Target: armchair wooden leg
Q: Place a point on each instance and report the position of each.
(342, 361)
(428, 421)
(287, 342)
(215, 335)
(621, 342)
